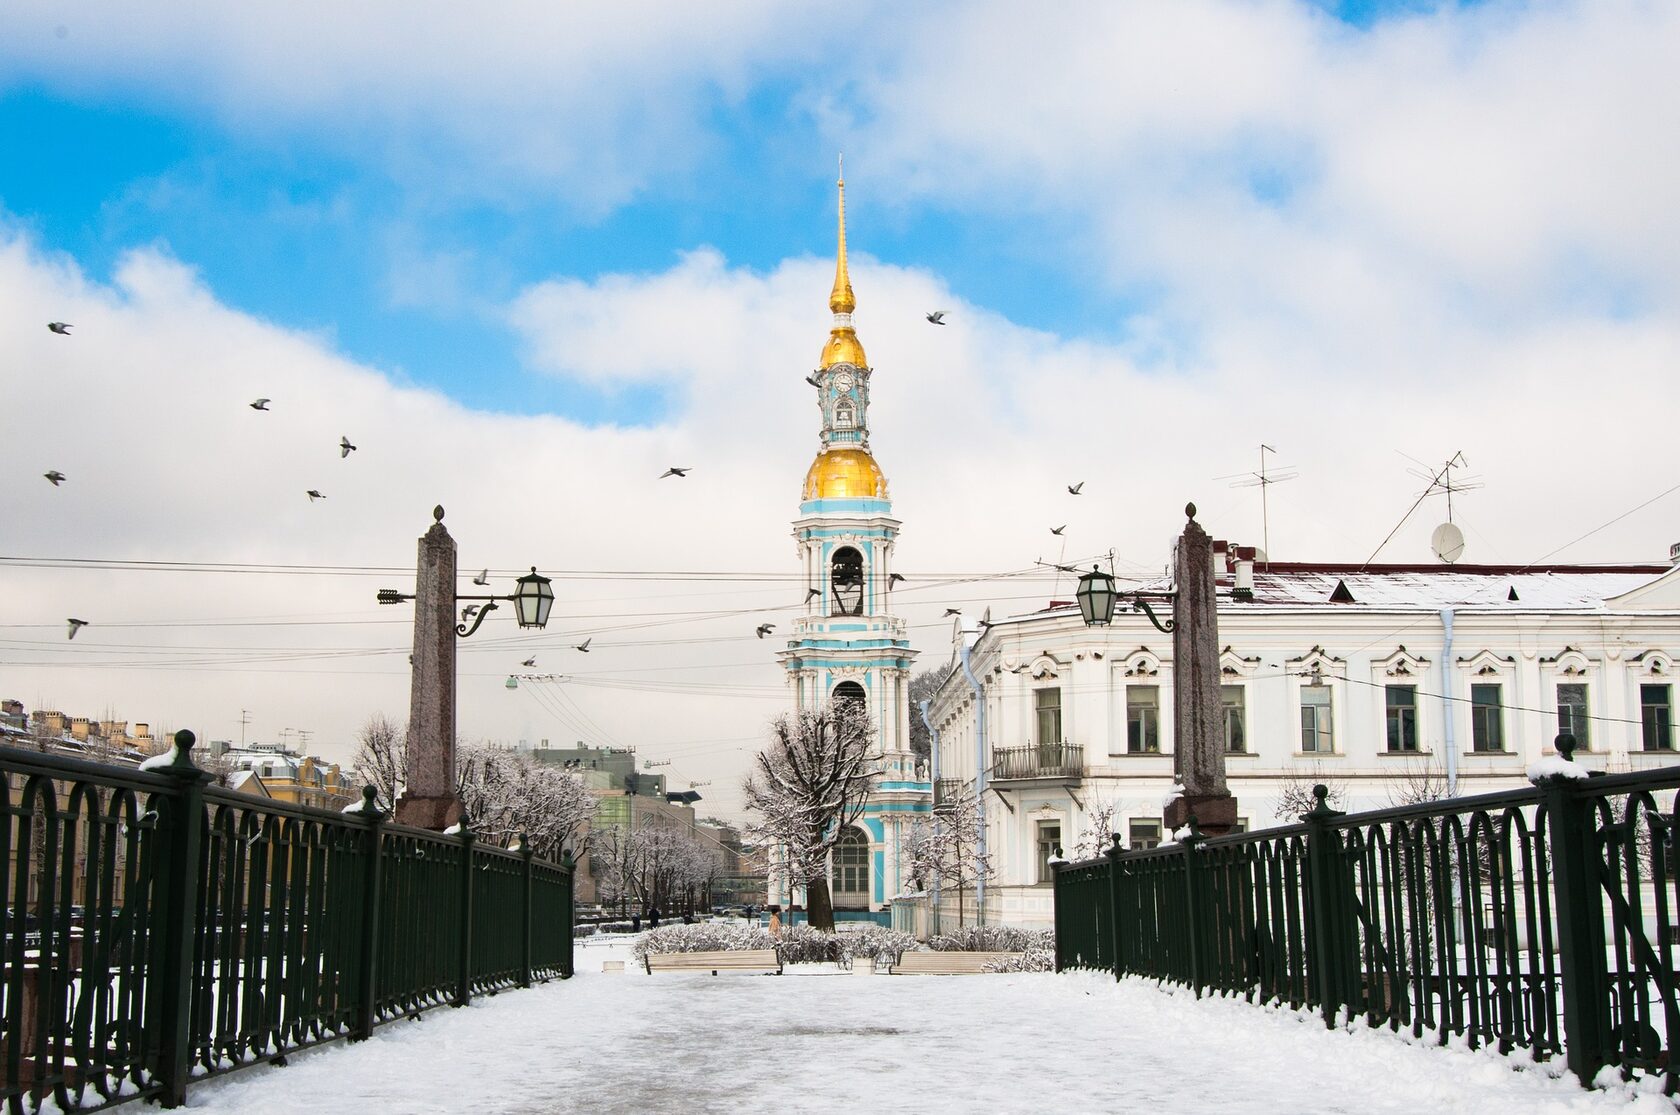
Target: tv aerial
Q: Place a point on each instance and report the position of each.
(1263, 479)
(1447, 541)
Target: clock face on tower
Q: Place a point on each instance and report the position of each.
(843, 382)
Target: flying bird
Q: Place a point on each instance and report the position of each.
(765, 629)
(679, 473)
(531, 661)
(260, 404)
(62, 328)
(344, 447)
(56, 477)
(953, 611)
(937, 317)
(314, 495)
(584, 646)
(813, 380)
(1058, 530)
(75, 626)
(1073, 489)
(469, 611)
(483, 578)
(810, 592)
(894, 578)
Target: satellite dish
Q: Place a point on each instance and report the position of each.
(1447, 542)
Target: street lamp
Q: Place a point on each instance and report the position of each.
(1096, 598)
(532, 599)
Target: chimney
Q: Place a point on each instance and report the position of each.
(1242, 585)
(79, 728)
(142, 731)
(1674, 554)
(1220, 552)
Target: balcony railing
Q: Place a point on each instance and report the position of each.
(946, 792)
(1038, 760)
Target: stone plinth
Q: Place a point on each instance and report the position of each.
(1199, 714)
(1216, 814)
(436, 813)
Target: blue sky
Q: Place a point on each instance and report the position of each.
(299, 227)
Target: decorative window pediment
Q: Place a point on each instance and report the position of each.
(1234, 665)
(1653, 663)
(1044, 667)
(1486, 664)
(1319, 661)
(1569, 662)
(1143, 663)
(1402, 664)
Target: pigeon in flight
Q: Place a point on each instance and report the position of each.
(469, 611)
(261, 404)
(483, 578)
(1073, 489)
(679, 473)
(765, 629)
(810, 592)
(1058, 530)
(314, 495)
(584, 646)
(531, 661)
(344, 447)
(894, 578)
(937, 317)
(75, 626)
(56, 477)
(813, 380)
(62, 328)
(953, 611)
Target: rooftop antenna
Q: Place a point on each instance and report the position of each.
(1442, 481)
(244, 719)
(1263, 480)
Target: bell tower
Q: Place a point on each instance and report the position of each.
(848, 643)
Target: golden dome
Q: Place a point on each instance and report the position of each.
(845, 474)
(843, 347)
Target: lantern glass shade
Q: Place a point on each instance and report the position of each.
(1096, 598)
(533, 599)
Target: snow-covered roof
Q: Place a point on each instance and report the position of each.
(1557, 588)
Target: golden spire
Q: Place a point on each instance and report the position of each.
(840, 299)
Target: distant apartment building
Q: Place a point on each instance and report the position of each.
(275, 771)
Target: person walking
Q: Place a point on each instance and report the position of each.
(775, 921)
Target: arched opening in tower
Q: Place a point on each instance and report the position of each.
(846, 579)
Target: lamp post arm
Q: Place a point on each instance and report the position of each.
(1139, 604)
(462, 629)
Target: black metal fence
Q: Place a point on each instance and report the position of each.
(1544, 918)
(158, 930)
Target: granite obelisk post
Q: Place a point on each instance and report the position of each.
(1198, 713)
(428, 799)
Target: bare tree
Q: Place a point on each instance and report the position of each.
(382, 757)
(946, 846)
(505, 794)
(1102, 821)
(1295, 795)
(807, 787)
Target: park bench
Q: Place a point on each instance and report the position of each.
(948, 963)
(766, 961)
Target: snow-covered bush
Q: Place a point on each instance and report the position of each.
(1033, 960)
(877, 942)
(994, 938)
(702, 937)
(582, 931)
(800, 944)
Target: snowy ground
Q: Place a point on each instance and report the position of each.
(829, 1041)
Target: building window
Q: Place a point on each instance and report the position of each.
(851, 866)
(1656, 717)
(1047, 704)
(1049, 844)
(1572, 714)
(1236, 718)
(845, 575)
(1487, 719)
(1402, 718)
(843, 416)
(1144, 834)
(1316, 734)
(1143, 720)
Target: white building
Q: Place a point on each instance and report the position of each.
(1384, 682)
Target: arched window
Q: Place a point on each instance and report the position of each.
(846, 578)
(850, 691)
(843, 416)
(851, 869)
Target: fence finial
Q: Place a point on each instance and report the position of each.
(1565, 746)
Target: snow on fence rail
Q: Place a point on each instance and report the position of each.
(158, 930)
(1542, 918)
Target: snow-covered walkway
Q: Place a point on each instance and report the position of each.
(839, 1042)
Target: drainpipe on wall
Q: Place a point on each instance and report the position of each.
(1447, 700)
(979, 785)
(933, 770)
